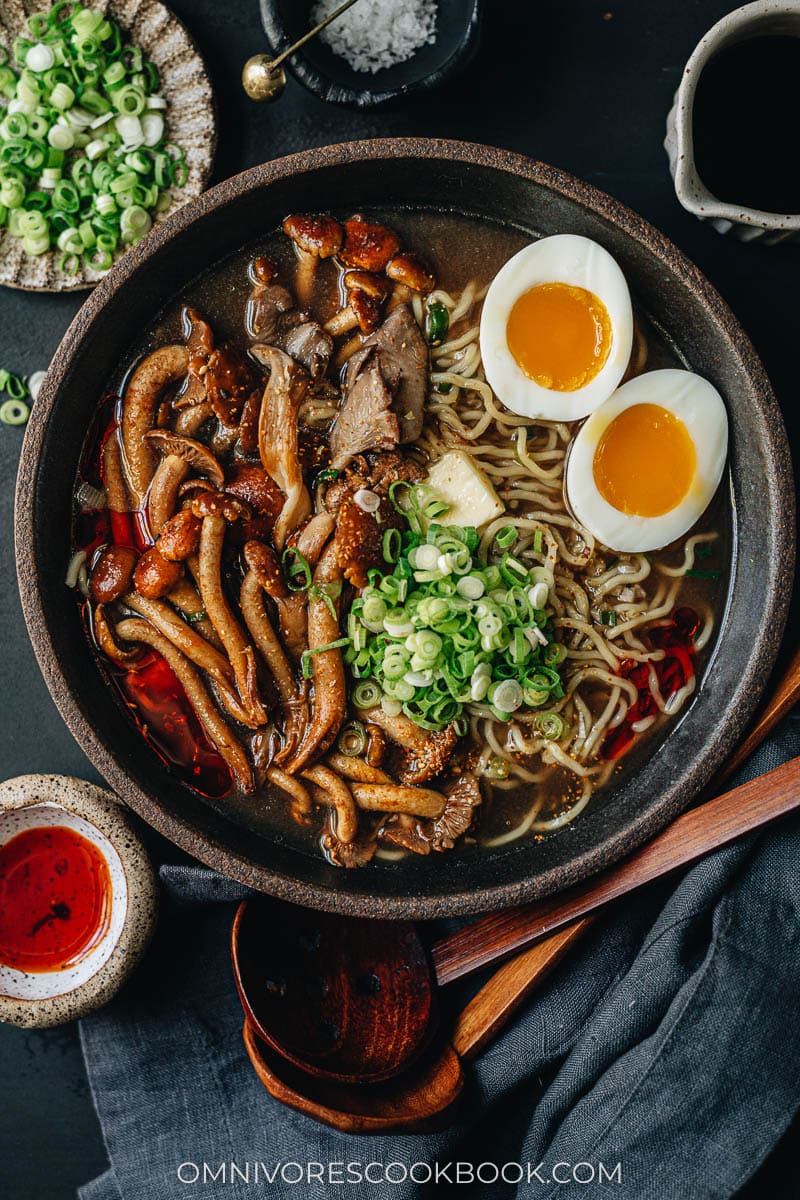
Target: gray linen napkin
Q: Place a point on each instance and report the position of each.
(659, 1061)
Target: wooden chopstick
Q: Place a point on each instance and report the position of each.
(701, 830)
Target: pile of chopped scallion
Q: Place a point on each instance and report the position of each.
(440, 629)
(84, 159)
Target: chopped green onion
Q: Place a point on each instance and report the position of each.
(506, 537)
(78, 99)
(307, 655)
(353, 739)
(297, 568)
(704, 550)
(14, 412)
(329, 473)
(438, 628)
(366, 694)
(550, 725)
(608, 617)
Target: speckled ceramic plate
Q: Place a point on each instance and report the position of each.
(191, 122)
(501, 187)
(40, 999)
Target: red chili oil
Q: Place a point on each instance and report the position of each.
(167, 719)
(149, 687)
(55, 898)
(676, 638)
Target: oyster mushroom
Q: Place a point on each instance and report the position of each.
(179, 457)
(277, 437)
(158, 371)
(239, 650)
(418, 755)
(199, 343)
(133, 629)
(315, 237)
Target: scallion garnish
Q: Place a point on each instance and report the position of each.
(84, 157)
(442, 629)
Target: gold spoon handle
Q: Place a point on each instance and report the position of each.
(284, 54)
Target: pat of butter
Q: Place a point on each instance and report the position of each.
(460, 483)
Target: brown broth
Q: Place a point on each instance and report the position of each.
(460, 249)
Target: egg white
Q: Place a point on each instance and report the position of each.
(564, 258)
(695, 402)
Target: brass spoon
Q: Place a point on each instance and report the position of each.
(264, 79)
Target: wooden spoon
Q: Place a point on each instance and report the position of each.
(488, 940)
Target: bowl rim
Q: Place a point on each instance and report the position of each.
(327, 89)
(762, 650)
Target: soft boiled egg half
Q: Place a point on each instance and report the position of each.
(557, 329)
(646, 464)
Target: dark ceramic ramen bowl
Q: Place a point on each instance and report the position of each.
(526, 195)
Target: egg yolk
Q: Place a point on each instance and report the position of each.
(560, 335)
(645, 461)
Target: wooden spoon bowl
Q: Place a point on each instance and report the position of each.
(348, 1000)
(420, 1099)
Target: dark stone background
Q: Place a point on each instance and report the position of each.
(585, 85)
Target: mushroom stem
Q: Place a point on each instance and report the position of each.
(237, 647)
(327, 665)
(301, 801)
(417, 801)
(184, 596)
(251, 600)
(157, 371)
(357, 769)
(117, 498)
(132, 629)
(163, 495)
(341, 322)
(340, 798)
(305, 276)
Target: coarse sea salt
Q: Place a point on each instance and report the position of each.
(374, 34)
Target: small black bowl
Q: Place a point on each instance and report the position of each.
(331, 78)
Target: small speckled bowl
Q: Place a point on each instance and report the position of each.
(40, 999)
(747, 224)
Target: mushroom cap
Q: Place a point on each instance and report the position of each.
(316, 233)
(368, 246)
(195, 453)
(410, 270)
(377, 286)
